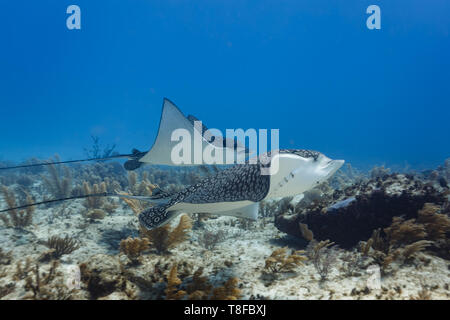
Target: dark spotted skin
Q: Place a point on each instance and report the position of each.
(238, 183)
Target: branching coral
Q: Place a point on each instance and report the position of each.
(436, 225)
(17, 219)
(410, 249)
(143, 188)
(404, 232)
(61, 246)
(387, 247)
(134, 204)
(95, 214)
(323, 257)
(280, 261)
(403, 238)
(46, 285)
(59, 184)
(133, 248)
(200, 288)
(94, 202)
(172, 293)
(164, 238)
(22, 269)
(351, 214)
(100, 280)
(37, 284)
(228, 291)
(97, 206)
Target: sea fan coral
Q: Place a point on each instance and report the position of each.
(61, 246)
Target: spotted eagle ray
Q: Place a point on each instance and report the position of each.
(237, 191)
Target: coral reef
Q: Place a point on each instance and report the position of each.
(396, 226)
(172, 293)
(404, 238)
(164, 238)
(17, 219)
(323, 257)
(280, 261)
(59, 182)
(133, 248)
(61, 246)
(101, 276)
(200, 288)
(143, 188)
(38, 284)
(134, 204)
(97, 207)
(350, 215)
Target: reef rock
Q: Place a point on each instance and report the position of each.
(350, 215)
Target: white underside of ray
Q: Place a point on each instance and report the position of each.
(243, 209)
(172, 119)
(296, 175)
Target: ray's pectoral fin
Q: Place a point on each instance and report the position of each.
(157, 216)
(174, 122)
(248, 212)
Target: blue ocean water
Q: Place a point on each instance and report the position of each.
(309, 68)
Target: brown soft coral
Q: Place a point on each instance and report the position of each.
(172, 293)
(17, 219)
(200, 288)
(143, 188)
(403, 231)
(133, 248)
(436, 225)
(403, 238)
(280, 261)
(58, 184)
(96, 207)
(164, 238)
(61, 246)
